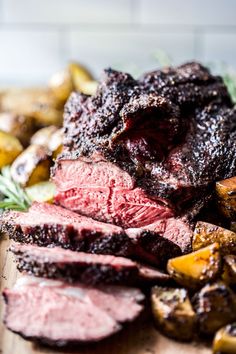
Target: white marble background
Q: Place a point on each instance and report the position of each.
(38, 37)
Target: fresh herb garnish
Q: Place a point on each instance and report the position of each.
(13, 195)
(230, 81)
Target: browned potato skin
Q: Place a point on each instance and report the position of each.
(226, 192)
(173, 312)
(229, 270)
(225, 340)
(21, 126)
(195, 269)
(32, 165)
(10, 148)
(215, 306)
(205, 234)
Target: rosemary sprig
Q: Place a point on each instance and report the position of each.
(13, 195)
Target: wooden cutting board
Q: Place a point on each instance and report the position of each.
(138, 338)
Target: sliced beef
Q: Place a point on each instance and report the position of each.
(58, 263)
(148, 150)
(57, 313)
(71, 266)
(50, 225)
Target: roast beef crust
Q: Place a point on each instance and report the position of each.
(193, 120)
(147, 246)
(89, 274)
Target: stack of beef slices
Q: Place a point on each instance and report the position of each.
(139, 162)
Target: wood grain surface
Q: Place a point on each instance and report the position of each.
(138, 338)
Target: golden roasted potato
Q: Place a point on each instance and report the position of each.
(89, 87)
(229, 269)
(39, 104)
(205, 234)
(43, 135)
(225, 340)
(173, 312)
(10, 148)
(80, 75)
(55, 143)
(32, 165)
(21, 126)
(41, 192)
(215, 306)
(226, 192)
(197, 268)
(61, 84)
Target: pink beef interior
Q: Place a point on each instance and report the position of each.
(101, 190)
(40, 213)
(43, 309)
(60, 255)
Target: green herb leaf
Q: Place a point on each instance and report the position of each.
(13, 195)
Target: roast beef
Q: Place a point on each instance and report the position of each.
(149, 150)
(57, 313)
(91, 269)
(50, 225)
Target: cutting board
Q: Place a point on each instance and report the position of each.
(138, 338)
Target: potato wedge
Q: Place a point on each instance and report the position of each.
(50, 137)
(41, 192)
(89, 87)
(43, 135)
(215, 306)
(226, 192)
(21, 126)
(10, 148)
(173, 312)
(32, 165)
(79, 75)
(195, 269)
(205, 234)
(229, 269)
(61, 84)
(55, 144)
(225, 340)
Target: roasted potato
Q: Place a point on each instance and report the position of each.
(21, 126)
(225, 340)
(173, 312)
(215, 306)
(10, 148)
(89, 87)
(43, 135)
(197, 268)
(61, 84)
(55, 143)
(39, 104)
(226, 192)
(50, 137)
(32, 165)
(41, 192)
(205, 234)
(229, 269)
(80, 75)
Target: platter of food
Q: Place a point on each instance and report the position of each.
(118, 213)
